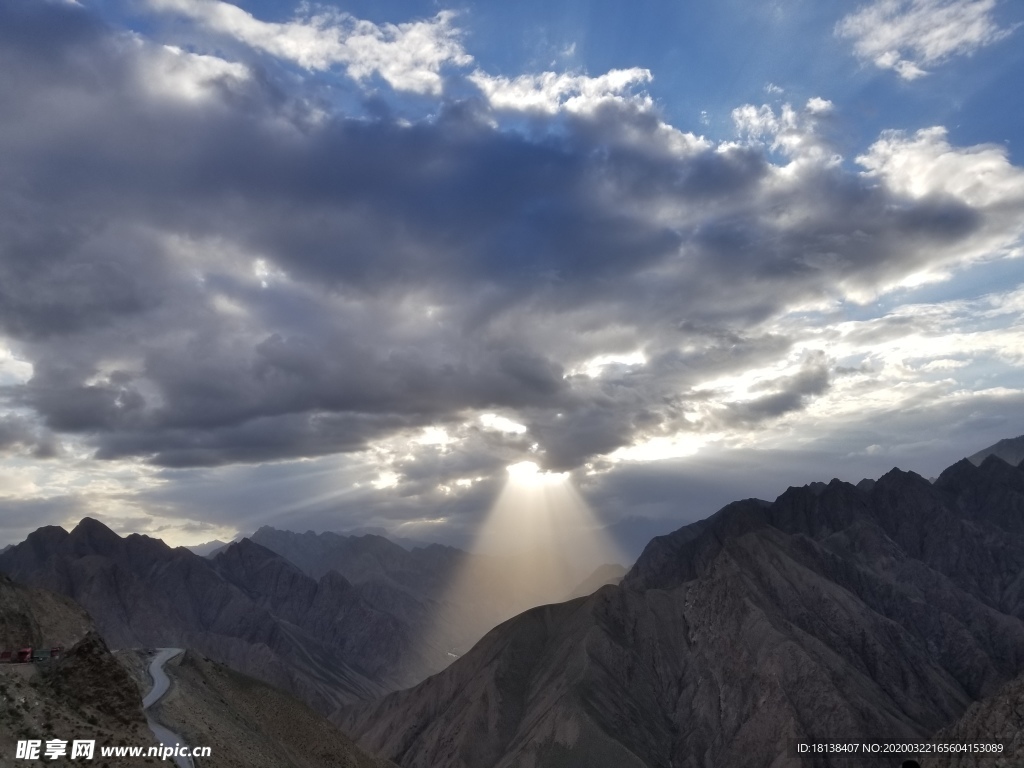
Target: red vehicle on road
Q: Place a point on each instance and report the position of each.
(24, 655)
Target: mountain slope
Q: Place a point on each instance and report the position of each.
(835, 612)
(82, 695)
(246, 607)
(1010, 450)
(248, 724)
(998, 718)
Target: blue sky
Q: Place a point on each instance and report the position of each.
(338, 265)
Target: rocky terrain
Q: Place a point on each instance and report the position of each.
(999, 717)
(89, 693)
(247, 723)
(246, 607)
(85, 694)
(870, 612)
(38, 618)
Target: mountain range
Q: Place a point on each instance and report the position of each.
(874, 612)
(329, 618)
(887, 610)
(247, 607)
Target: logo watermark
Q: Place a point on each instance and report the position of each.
(85, 749)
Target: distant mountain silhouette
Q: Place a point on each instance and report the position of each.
(609, 573)
(1010, 450)
(837, 612)
(459, 596)
(207, 548)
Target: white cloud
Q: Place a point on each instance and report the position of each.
(385, 480)
(661, 448)
(926, 164)
(408, 56)
(908, 35)
(177, 74)
(793, 132)
(501, 424)
(433, 436)
(549, 92)
(596, 366)
(13, 370)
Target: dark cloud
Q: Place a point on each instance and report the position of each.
(255, 440)
(19, 435)
(203, 269)
(786, 394)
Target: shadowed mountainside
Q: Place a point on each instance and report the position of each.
(246, 607)
(38, 618)
(875, 612)
(85, 694)
(249, 724)
(1010, 450)
(446, 594)
(331, 619)
(999, 717)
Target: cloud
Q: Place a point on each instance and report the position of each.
(924, 165)
(408, 56)
(787, 393)
(550, 92)
(209, 277)
(908, 35)
(797, 133)
(19, 435)
(184, 75)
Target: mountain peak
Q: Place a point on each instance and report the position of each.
(47, 536)
(1010, 450)
(94, 536)
(92, 526)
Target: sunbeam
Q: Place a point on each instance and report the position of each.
(539, 541)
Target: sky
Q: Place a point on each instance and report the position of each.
(339, 266)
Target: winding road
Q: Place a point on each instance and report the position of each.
(160, 685)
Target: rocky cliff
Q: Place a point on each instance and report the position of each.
(84, 694)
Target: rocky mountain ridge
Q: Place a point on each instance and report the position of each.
(246, 607)
(872, 612)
